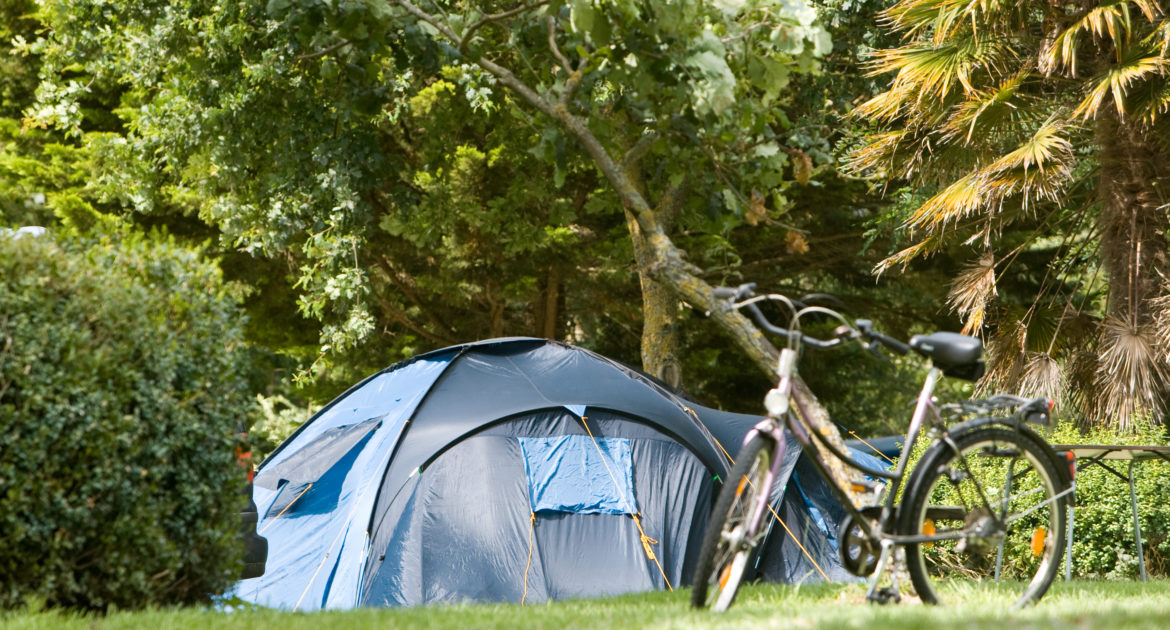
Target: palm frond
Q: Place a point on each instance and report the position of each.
(1049, 145)
(1151, 100)
(985, 109)
(932, 69)
(1131, 376)
(915, 16)
(971, 292)
(1159, 37)
(877, 154)
(1108, 20)
(959, 200)
(1149, 8)
(1042, 376)
(1116, 81)
(904, 256)
(943, 17)
(888, 105)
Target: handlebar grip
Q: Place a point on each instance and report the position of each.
(723, 293)
(889, 342)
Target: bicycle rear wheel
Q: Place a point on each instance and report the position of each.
(997, 496)
(734, 531)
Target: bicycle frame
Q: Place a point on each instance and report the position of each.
(778, 403)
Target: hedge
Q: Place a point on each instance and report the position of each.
(121, 400)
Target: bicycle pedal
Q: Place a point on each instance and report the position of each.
(885, 596)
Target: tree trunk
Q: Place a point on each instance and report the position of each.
(547, 311)
(1133, 187)
(659, 308)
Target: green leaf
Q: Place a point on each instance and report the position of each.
(276, 8)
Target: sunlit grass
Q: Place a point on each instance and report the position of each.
(1074, 605)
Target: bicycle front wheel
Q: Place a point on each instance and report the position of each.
(735, 528)
(992, 501)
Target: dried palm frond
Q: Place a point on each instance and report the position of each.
(972, 290)
(1131, 376)
(1042, 376)
(1160, 307)
(1005, 359)
(1080, 377)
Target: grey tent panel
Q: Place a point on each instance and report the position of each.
(506, 384)
(466, 523)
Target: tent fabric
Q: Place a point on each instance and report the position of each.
(573, 474)
(447, 546)
(486, 472)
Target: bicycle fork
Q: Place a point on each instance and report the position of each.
(776, 402)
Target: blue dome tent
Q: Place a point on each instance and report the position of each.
(515, 470)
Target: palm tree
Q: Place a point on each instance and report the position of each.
(1047, 116)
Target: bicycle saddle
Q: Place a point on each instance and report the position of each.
(956, 355)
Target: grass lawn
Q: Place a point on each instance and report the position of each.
(1068, 606)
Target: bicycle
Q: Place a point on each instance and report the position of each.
(985, 502)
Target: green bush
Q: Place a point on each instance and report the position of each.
(1103, 528)
(121, 398)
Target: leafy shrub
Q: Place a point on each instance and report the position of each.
(278, 418)
(121, 399)
(1103, 543)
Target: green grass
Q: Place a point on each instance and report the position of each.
(1068, 606)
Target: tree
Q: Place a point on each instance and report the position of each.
(660, 100)
(1038, 130)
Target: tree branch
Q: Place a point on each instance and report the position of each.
(670, 267)
(495, 18)
(639, 150)
(556, 50)
(324, 51)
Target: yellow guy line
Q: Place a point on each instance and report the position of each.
(887, 457)
(646, 540)
(531, 530)
(781, 521)
(290, 504)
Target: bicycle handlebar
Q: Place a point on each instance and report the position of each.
(744, 296)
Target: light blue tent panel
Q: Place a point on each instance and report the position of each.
(579, 475)
(315, 560)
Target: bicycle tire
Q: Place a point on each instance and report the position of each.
(729, 542)
(1022, 558)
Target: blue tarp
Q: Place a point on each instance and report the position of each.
(575, 474)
